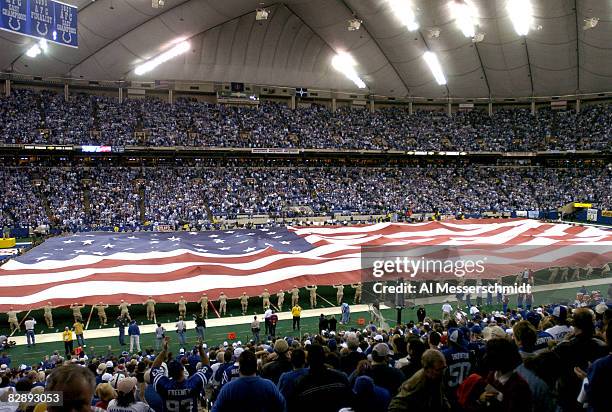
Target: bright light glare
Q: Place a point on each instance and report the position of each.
(403, 11)
(149, 65)
(434, 65)
(38, 48)
(521, 15)
(466, 16)
(43, 45)
(345, 64)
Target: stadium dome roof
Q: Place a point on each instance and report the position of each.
(295, 45)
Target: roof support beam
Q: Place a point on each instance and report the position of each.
(528, 64)
(399, 76)
(484, 73)
(577, 48)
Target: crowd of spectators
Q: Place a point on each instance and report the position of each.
(543, 359)
(93, 119)
(124, 196)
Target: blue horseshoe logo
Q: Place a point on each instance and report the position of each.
(11, 24)
(69, 40)
(41, 32)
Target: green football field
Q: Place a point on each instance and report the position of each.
(216, 335)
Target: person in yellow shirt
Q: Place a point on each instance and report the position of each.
(67, 336)
(78, 331)
(296, 312)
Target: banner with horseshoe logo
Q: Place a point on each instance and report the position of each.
(41, 19)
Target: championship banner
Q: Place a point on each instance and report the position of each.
(592, 215)
(43, 19)
(606, 213)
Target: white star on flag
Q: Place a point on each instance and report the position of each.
(294, 251)
(174, 239)
(79, 251)
(87, 242)
(132, 237)
(268, 244)
(213, 236)
(250, 234)
(202, 250)
(285, 242)
(198, 245)
(229, 232)
(249, 249)
(272, 233)
(264, 230)
(59, 249)
(90, 235)
(108, 246)
(154, 241)
(219, 241)
(276, 237)
(99, 253)
(193, 233)
(243, 241)
(224, 248)
(129, 248)
(69, 241)
(38, 259)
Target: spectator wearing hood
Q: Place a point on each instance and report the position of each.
(273, 370)
(425, 388)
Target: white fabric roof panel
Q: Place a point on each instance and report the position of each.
(295, 45)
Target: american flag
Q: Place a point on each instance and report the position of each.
(93, 267)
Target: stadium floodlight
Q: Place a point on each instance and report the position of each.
(590, 23)
(521, 15)
(175, 51)
(345, 64)
(434, 65)
(38, 48)
(403, 11)
(466, 16)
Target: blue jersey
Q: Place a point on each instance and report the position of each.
(180, 396)
(541, 344)
(459, 366)
(230, 373)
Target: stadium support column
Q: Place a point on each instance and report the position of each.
(449, 109)
(577, 105)
(533, 110)
(371, 105)
(171, 96)
(333, 105)
(7, 87)
(410, 108)
(66, 91)
(293, 102)
(120, 95)
(490, 109)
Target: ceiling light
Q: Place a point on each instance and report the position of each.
(175, 51)
(478, 37)
(403, 11)
(261, 14)
(345, 64)
(590, 23)
(434, 32)
(466, 16)
(434, 65)
(38, 48)
(354, 24)
(521, 15)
